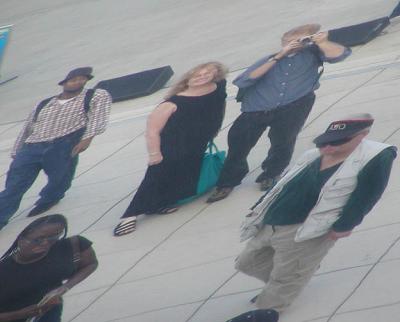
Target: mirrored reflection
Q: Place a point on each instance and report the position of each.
(261, 146)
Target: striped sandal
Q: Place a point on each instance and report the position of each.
(125, 227)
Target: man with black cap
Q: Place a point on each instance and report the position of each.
(321, 199)
(56, 131)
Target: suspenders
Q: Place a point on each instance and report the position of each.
(86, 105)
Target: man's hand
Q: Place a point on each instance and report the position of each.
(291, 47)
(320, 37)
(81, 146)
(333, 235)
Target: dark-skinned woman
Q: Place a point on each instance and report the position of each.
(40, 267)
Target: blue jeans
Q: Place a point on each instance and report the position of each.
(54, 158)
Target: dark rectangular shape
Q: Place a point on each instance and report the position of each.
(395, 12)
(358, 34)
(138, 84)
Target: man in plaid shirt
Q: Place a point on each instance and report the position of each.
(56, 131)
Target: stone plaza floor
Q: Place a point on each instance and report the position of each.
(179, 268)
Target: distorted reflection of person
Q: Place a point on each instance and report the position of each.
(40, 267)
(277, 93)
(177, 134)
(321, 199)
(55, 133)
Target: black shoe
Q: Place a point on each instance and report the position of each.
(41, 208)
(261, 177)
(267, 183)
(219, 194)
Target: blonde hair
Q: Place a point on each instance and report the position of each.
(301, 31)
(182, 84)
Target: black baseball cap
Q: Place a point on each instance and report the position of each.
(81, 71)
(345, 128)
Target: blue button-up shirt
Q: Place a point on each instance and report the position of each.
(289, 79)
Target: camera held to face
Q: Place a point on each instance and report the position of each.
(306, 41)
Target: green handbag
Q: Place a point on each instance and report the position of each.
(211, 167)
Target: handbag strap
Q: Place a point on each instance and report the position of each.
(212, 147)
(86, 103)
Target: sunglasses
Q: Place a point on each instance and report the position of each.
(334, 143)
(40, 240)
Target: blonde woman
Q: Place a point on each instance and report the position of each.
(177, 134)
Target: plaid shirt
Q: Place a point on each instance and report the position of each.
(56, 120)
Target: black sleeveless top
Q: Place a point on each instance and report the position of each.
(195, 122)
(22, 285)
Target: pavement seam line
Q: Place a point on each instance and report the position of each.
(345, 96)
(259, 288)
(152, 311)
(232, 293)
(204, 302)
(356, 310)
(332, 315)
(161, 242)
(370, 308)
(107, 211)
(111, 154)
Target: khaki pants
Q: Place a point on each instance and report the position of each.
(283, 264)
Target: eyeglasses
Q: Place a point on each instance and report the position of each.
(40, 240)
(334, 143)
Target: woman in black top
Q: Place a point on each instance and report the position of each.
(177, 134)
(39, 267)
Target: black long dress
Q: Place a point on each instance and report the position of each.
(184, 139)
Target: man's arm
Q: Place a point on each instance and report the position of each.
(372, 182)
(331, 52)
(98, 114)
(264, 65)
(23, 134)
(244, 80)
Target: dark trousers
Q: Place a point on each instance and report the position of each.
(284, 125)
(54, 158)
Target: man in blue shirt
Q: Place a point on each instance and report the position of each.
(278, 92)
